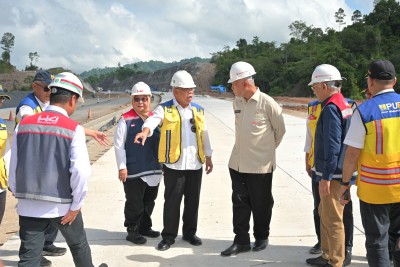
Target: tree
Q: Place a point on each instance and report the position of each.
(33, 57)
(8, 42)
(339, 17)
(357, 16)
(297, 29)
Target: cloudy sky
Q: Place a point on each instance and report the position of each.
(84, 34)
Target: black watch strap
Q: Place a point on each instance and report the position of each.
(344, 183)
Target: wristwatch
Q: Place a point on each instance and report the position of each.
(344, 183)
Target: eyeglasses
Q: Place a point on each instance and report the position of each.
(138, 99)
(185, 89)
(314, 86)
(193, 128)
(45, 87)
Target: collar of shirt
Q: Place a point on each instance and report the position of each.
(255, 96)
(43, 106)
(57, 109)
(385, 91)
(176, 104)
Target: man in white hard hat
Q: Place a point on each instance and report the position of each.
(259, 130)
(52, 190)
(34, 103)
(329, 150)
(138, 166)
(184, 147)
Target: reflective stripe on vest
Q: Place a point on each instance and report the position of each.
(314, 111)
(379, 163)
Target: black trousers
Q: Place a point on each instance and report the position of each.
(139, 203)
(50, 235)
(348, 220)
(32, 231)
(251, 194)
(381, 223)
(3, 197)
(179, 183)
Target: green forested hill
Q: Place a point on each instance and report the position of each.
(97, 75)
(286, 69)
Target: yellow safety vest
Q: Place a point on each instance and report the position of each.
(379, 164)
(170, 147)
(314, 111)
(3, 142)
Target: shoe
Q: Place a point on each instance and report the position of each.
(319, 261)
(136, 238)
(150, 233)
(316, 249)
(260, 245)
(45, 262)
(194, 240)
(327, 265)
(53, 251)
(235, 249)
(165, 244)
(347, 258)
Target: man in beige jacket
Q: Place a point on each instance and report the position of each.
(259, 130)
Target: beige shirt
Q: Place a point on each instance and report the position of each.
(259, 129)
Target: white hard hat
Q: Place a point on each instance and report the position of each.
(140, 88)
(67, 81)
(182, 79)
(240, 70)
(325, 73)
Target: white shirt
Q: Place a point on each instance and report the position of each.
(307, 145)
(26, 110)
(120, 153)
(188, 159)
(355, 136)
(80, 172)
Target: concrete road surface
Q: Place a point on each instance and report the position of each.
(292, 229)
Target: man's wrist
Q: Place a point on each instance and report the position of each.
(345, 183)
(208, 157)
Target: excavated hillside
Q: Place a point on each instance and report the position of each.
(203, 76)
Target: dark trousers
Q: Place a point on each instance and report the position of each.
(3, 197)
(139, 203)
(50, 235)
(32, 232)
(180, 183)
(348, 220)
(381, 223)
(251, 193)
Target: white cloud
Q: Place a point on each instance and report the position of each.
(83, 34)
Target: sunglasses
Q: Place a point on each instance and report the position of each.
(45, 87)
(193, 128)
(138, 99)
